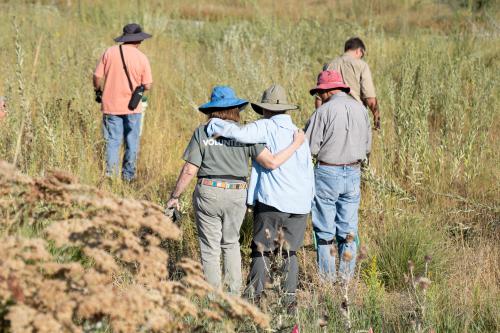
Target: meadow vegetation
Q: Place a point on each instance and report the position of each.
(430, 212)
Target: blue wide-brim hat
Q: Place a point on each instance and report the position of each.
(223, 97)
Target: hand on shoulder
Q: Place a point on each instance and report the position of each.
(298, 137)
(214, 126)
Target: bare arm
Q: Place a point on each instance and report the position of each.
(148, 86)
(368, 94)
(97, 83)
(270, 161)
(187, 174)
(372, 104)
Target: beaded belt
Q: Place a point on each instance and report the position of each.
(222, 184)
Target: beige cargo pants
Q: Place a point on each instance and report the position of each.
(219, 214)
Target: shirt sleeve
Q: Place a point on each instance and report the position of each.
(255, 132)
(366, 83)
(147, 76)
(314, 132)
(193, 154)
(99, 70)
(256, 149)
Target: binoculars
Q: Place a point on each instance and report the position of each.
(98, 96)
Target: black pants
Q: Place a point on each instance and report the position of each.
(270, 219)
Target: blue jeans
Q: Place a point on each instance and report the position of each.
(335, 216)
(115, 130)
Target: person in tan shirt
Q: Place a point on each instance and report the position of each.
(356, 75)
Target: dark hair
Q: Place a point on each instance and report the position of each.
(273, 113)
(226, 114)
(354, 43)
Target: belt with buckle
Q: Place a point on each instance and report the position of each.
(340, 165)
(222, 184)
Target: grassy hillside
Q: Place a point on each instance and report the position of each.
(431, 195)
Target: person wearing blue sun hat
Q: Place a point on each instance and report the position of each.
(222, 98)
(219, 199)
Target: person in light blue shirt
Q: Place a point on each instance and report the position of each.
(281, 197)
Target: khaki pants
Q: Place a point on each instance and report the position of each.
(219, 214)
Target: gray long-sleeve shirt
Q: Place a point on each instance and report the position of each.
(339, 131)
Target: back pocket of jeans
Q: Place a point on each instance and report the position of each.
(327, 187)
(353, 186)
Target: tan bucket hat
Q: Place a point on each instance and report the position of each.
(274, 99)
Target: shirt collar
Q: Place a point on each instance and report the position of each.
(337, 95)
(348, 55)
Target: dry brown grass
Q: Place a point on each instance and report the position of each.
(97, 260)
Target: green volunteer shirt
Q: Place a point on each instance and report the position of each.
(221, 156)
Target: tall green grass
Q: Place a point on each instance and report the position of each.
(432, 188)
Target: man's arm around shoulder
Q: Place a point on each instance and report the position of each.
(271, 162)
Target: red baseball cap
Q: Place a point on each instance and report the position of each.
(328, 80)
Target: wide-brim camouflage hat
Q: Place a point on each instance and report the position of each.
(274, 99)
(132, 32)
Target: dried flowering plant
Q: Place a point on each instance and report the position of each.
(119, 277)
(417, 290)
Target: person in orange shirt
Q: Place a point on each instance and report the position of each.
(121, 70)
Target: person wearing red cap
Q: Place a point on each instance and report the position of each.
(339, 135)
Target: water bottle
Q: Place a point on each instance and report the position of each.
(136, 97)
